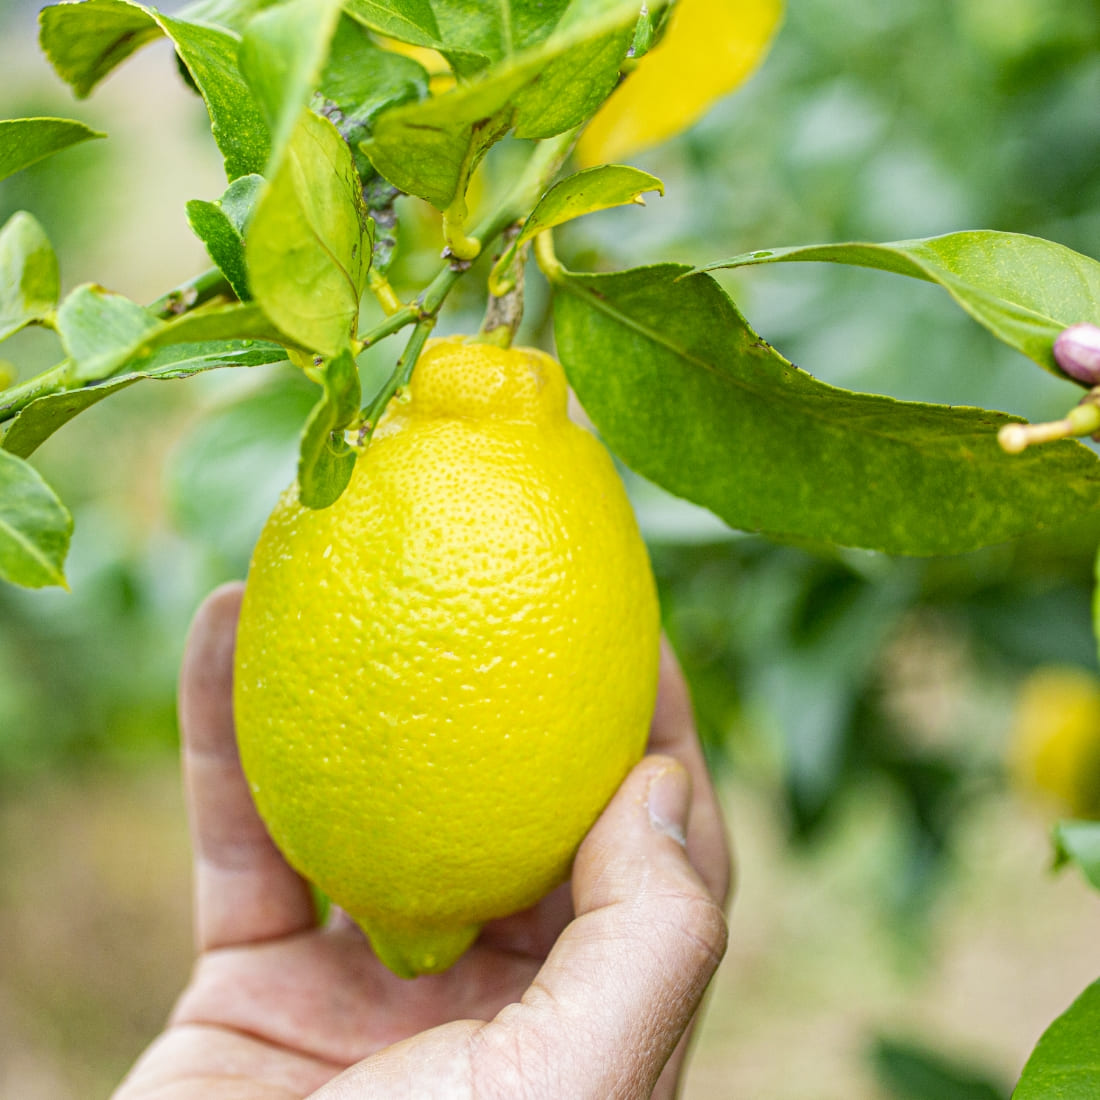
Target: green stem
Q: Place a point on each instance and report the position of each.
(545, 162)
(196, 291)
(372, 413)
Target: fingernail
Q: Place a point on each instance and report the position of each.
(668, 800)
(1077, 351)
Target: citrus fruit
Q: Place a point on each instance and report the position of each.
(708, 48)
(1055, 744)
(442, 678)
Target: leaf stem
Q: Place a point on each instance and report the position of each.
(545, 163)
(196, 291)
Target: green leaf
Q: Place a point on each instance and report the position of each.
(690, 397)
(35, 527)
(1065, 1065)
(309, 243)
(220, 226)
(29, 281)
(908, 1071)
(361, 79)
(430, 149)
(1025, 290)
(411, 21)
(326, 460)
(1079, 842)
(42, 417)
(99, 330)
(25, 141)
(86, 41)
(584, 192)
(282, 54)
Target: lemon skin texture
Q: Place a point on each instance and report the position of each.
(442, 679)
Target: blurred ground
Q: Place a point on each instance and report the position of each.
(94, 912)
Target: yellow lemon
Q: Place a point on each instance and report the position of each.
(1055, 744)
(707, 50)
(442, 679)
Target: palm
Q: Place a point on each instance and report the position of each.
(279, 1006)
(321, 1000)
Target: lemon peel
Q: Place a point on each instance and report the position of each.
(442, 678)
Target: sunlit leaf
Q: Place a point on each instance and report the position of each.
(309, 241)
(35, 527)
(29, 282)
(708, 49)
(1024, 290)
(690, 397)
(282, 53)
(430, 148)
(99, 330)
(26, 141)
(1065, 1065)
(86, 41)
(326, 460)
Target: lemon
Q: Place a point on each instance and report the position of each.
(1055, 743)
(708, 49)
(442, 678)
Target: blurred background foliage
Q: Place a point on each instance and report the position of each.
(838, 687)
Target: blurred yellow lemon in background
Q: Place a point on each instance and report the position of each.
(1055, 745)
(708, 48)
(442, 678)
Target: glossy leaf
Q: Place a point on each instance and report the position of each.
(1079, 842)
(86, 41)
(282, 53)
(690, 397)
(708, 49)
(42, 417)
(35, 527)
(220, 226)
(310, 239)
(1024, 290)
(26, 141)
(1065, 1065)
(431, 148)
(583, 193)
(326, 460)
(29, 281)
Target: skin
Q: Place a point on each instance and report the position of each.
(591, 994)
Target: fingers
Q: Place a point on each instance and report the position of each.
(244, 890)
(673, 734)
(624, 980)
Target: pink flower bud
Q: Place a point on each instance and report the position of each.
(1077, 352)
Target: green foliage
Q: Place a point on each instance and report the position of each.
(35, 526)
(694, 400)
(1066, 1063)
(1079, 842)
(309, 243)
(912, 1072)
(326, 460)
(1023, 289)
(29, 280)
(220, 226)
(25, 141)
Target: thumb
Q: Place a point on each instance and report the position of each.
(626, 976)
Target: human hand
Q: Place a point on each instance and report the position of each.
(588, 994)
